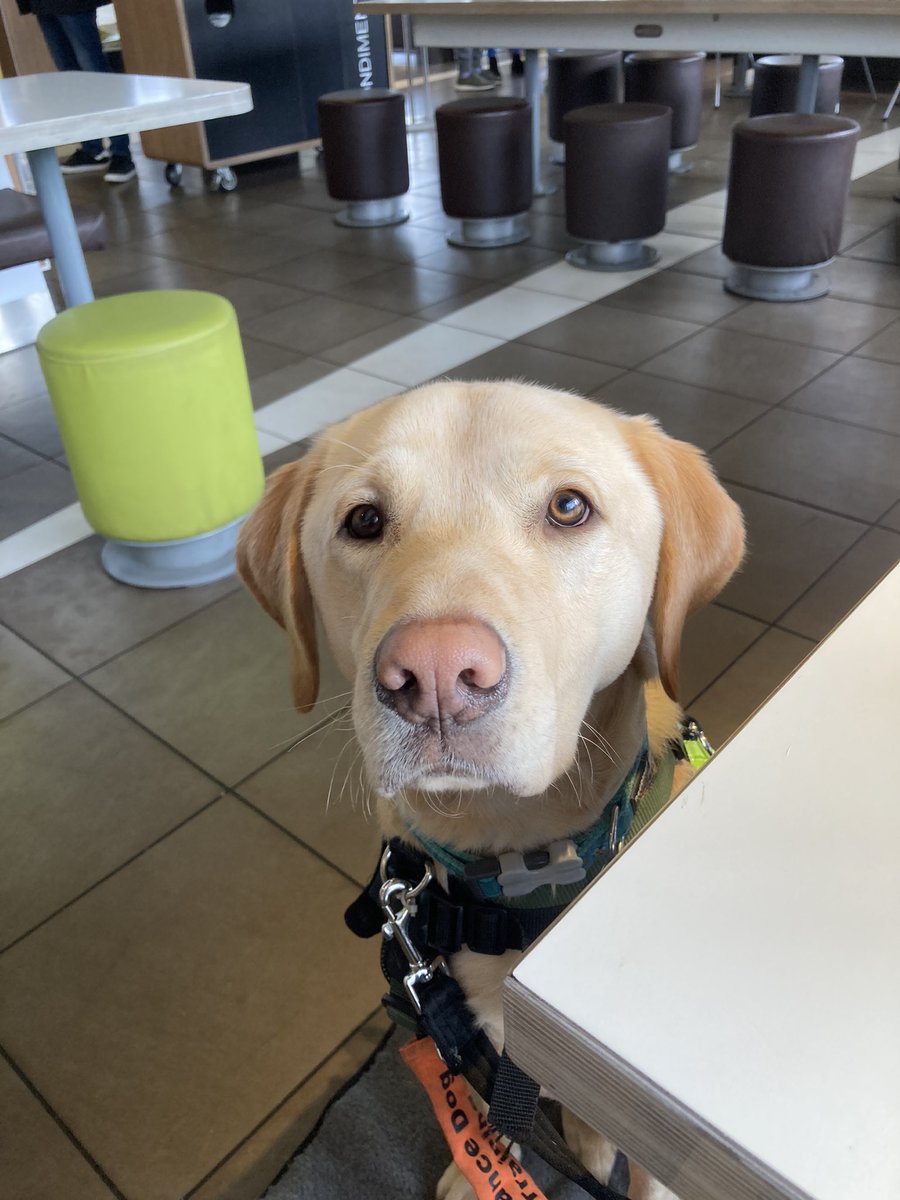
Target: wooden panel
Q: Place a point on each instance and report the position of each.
(23, 50)
(155, 42)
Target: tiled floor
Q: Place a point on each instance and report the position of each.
(178, 997)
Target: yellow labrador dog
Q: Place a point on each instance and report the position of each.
(503, 572)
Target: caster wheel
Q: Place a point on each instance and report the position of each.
(223, 179)
(174, 171)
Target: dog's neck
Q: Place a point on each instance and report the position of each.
(492, 820)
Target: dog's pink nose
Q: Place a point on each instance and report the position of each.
(434, 671)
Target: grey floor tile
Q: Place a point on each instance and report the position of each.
(72, 610)
(736, 695)
(503, 263)
(548, 232)
(515, 360)
(891, 519)
(691, 413)
(347, 352)
(713, 639)
(37, 1160)
(840, 467)
(859, 390)
(829, 601)
(830, 324)
(34, 493)
(274, 385)
(32, 422)
(883, 246)
(610, 335)
(256, 297)
(758, 368)
(84, 790)
(257, 1162)
(885, 346)
(869, 211)
(867, 282)
(117, 261)
(316, 324)
(217, 688)
(318, 791)
(211, 246)
(20, 376)
(322, 270)
(697, 298)
(262, 358)
(404, 290)
(171, 1009)
(710, 262)
(789, 546)
(25, 674)
(13, 458)
(164, 273)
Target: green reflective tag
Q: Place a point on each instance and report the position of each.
(697, 753)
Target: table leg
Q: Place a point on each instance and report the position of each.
(809, 83)
(533, 96)
(60, 221)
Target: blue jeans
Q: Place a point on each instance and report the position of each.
(74, 45)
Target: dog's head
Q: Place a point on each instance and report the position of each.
(484, 558)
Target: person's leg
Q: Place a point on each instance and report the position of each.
(84, 37)
(65, 58)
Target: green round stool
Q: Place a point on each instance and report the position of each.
(150, 391)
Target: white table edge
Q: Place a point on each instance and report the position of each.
(684, 1151)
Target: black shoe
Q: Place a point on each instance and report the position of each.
(492, 66)
(517, 67)
(81, 161)
(121, 169)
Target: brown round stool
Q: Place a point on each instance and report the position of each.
(484, 157)
(787, 190)
(616, 183)
(659, 77)
(576, 78)
(776, 80)
(364, 147)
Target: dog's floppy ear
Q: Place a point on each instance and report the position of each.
(271, 565)
(702, 540)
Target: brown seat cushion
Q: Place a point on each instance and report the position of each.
(364, 144)
(484, 156)
(23, 234)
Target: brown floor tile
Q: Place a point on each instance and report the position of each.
(214, 246)
(698, 298)
(164, 273)
(758, 368)
(32, 423)
(169, 1011)
(789, 546)
(26, 675)
(69, 607)
(349, 351)
(37, 1160)
(321, 270)
(835, 466)
(610, 335)
(84, 790)
(691, 413)
(713, 639)
(501, 264)
(404, 290)
(217, 688)
(518, 361)
(867, 282)
(710, 262)
(262, 358)
(859, 390)
(891, 519)
(318, 791)
(316, 324)
(883, 246)
(254, 1166)
(745, 685)
(34, 493)
(256, 297)
(829, 601)
(274, 385)
(548, 232)
(885, 346)
(20, 376)
(830, 324)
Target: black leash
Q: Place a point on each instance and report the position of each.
(421, 923)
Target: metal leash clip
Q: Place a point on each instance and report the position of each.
(398, 902)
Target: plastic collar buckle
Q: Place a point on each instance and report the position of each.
(564, 865)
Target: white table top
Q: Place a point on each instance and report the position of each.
(38, 111)
(736, 974)
(760, 26)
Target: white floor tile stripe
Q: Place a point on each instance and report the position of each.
(457, 338)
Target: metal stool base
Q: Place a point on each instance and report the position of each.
(187, 562)
(490, 232)
(369, 214)
(778, 284)
(612, 256)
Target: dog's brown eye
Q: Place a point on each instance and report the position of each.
(364, 521)
(568, 508)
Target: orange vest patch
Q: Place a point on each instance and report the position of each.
(478, 1149)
